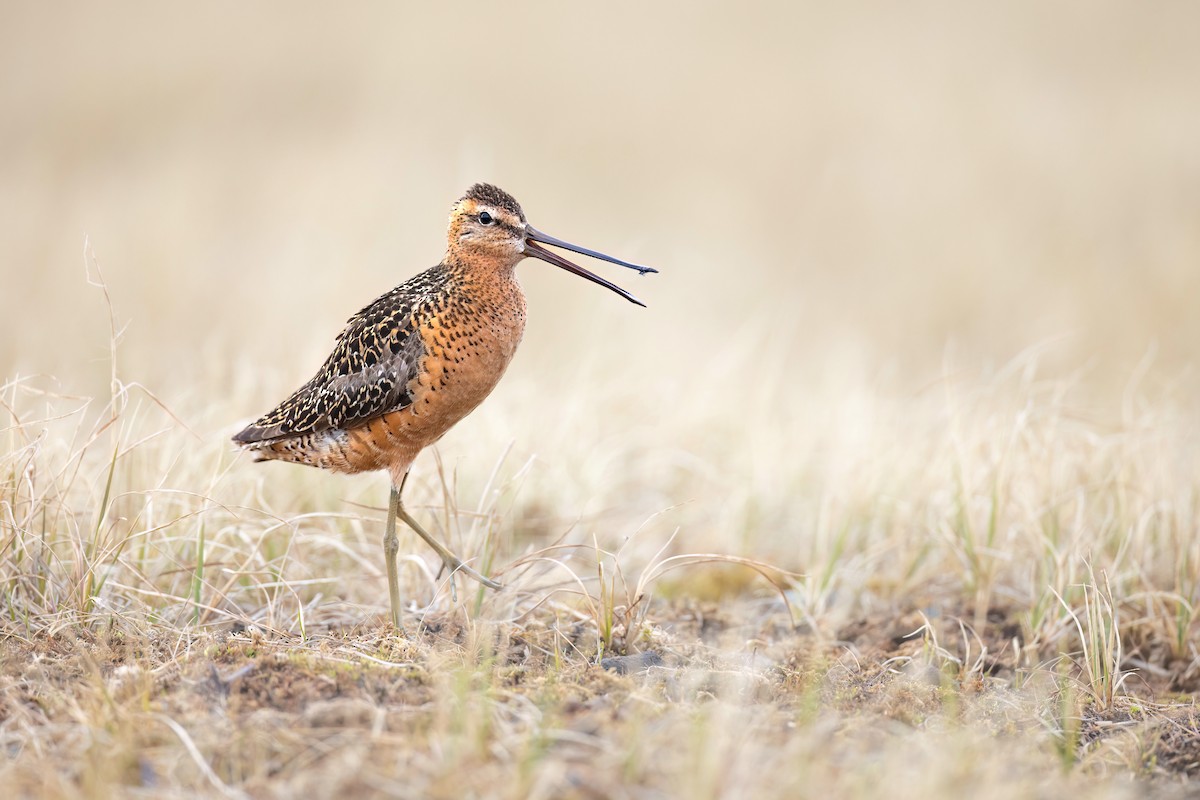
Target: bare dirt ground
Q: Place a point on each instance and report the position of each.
(715, 707)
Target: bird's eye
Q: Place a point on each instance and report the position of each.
(486, 218)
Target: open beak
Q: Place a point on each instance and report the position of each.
(532, 248)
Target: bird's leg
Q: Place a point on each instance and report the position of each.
(452, 562)
(391, 546)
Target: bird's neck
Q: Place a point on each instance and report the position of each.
(490, 284)
(481, 268)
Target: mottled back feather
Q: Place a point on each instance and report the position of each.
(368, 373)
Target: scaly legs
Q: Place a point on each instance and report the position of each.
(391, 546)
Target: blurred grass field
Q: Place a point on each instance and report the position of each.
(898, 475)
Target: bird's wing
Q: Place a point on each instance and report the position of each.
(367, 375)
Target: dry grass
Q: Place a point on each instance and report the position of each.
(1007, 604)
(894, 490)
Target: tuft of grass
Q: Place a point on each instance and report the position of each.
(1100, 639)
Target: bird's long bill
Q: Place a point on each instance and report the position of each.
(533, 236)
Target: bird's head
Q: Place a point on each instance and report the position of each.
(488, 228)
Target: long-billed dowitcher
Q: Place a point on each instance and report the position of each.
(417, 360)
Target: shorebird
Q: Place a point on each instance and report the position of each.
(417, 360)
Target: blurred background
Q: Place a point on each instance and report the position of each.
(838, 196)
(879, 177)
